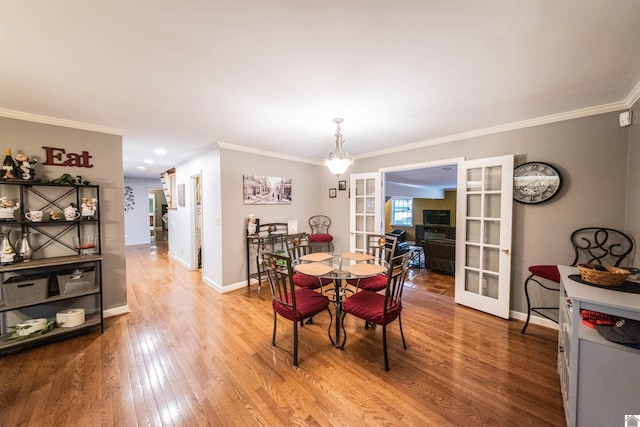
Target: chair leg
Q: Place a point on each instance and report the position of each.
(401, 333)
(295, 343)
(275, 319)
(536, 309)
(526, 293)
(384, 347)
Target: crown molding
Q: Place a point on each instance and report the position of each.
(633, 96)
(575, 114)
(226, 146)
(11, 114)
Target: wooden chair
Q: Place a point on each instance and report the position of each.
(320, 232)
(291, 302)
(604, 246)
(378, 308)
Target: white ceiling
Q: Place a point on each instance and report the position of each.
(271, 75)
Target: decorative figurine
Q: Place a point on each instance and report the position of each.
(7, 208)
(89, 207)
(24, 170)
(54, 216)
(251, 226)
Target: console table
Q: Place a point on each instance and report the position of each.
(268, 237)
(599, 378)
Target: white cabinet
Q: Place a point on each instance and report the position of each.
(599, 378)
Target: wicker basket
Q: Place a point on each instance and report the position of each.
(20, 290)
(610, 276)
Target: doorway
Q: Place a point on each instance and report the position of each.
(431, 187)
(157, 219)
(197, 210)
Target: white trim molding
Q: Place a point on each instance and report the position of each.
(11, 114)
(267, 153)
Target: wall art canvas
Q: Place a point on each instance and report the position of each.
(266, 190)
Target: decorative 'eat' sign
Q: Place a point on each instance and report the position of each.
(59, 157)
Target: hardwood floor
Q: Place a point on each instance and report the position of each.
(187, 356)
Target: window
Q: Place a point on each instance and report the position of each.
(402, 212)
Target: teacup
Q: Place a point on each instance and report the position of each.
(35, 216)
(70, 215)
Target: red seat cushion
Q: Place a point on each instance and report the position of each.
(317, 238)
(308, 303)
(549, 272)
(311, 282)
(375, 283)
(367, 305)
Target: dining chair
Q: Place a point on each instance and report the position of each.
(298, 246)
(381, 308)
(320, 235)
(380, 247)
(289, 301)
(600, 245)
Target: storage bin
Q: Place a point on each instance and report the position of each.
(26, 289)
(77, 280)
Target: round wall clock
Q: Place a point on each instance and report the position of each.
(535, 182)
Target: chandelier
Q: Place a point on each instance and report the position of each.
(338, 161)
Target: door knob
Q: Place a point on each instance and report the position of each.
(505, 251)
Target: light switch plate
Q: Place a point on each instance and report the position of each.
(625, 118)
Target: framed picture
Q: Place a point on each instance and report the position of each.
(266, 190)
(342, 185)
(332, 193)
(181, 195)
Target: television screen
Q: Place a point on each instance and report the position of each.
(436, 217)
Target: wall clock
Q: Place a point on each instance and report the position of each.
(535, 182)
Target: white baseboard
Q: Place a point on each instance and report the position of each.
(535, 320)
(117, 311)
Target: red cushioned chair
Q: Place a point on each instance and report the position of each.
(297, 246)
(381, 247)
(378, 308)
(289, 301)
(320, 232)
(604, 246)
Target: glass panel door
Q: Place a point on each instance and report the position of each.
(483, 246)
(364, 209)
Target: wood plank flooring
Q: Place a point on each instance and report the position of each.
(187, 356)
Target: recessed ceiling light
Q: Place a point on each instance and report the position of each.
(148, 161)
(160, 151)
(141, 167)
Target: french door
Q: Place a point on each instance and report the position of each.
(365, 206)
(483, 234)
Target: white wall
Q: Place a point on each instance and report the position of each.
(136, 219)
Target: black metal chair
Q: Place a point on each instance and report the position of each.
(289, 301)
(320, 235)
(381, 247)
(378, 308)
(600, 245)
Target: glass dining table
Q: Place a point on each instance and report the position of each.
(338, 268)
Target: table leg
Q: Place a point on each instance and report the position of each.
(339, 326)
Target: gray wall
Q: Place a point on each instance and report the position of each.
(106, 152)
(591, 154)
(633, 176)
